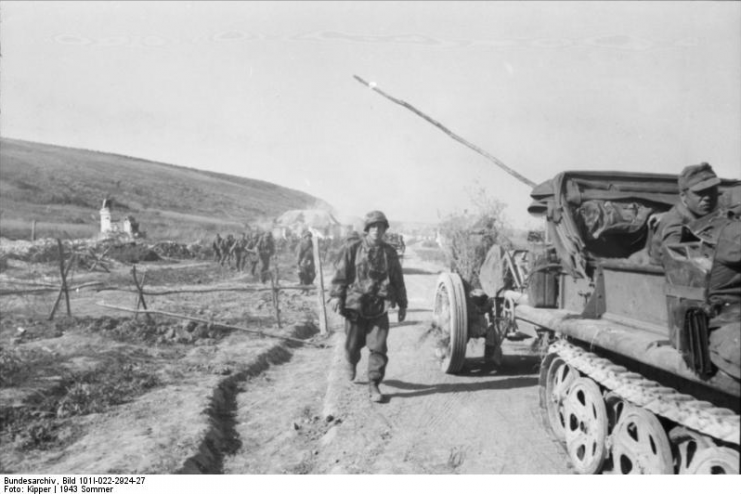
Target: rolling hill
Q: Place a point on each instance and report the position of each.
(63, 189)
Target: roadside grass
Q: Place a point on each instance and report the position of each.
(39, 423)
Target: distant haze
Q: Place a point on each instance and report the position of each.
(265, 90)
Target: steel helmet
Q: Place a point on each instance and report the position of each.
(375, 217)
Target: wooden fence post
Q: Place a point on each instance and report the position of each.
(33, 231)
(276, 288)
(320, 289)
(63, 288)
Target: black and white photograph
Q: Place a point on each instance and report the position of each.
(426, 245)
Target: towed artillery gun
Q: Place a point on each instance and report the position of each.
(626, 382)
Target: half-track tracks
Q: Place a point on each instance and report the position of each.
(720, 423)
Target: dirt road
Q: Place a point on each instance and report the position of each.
(484, 421)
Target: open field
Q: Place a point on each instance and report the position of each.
(71, 386)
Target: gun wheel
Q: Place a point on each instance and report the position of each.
(585, 425)
(639, 444)
(556, 377)
(450, 316)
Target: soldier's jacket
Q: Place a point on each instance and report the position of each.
(240, 245)
(670, 230)
(217, 243)
(720, 234)
(368, 279)
(266, 245)
(305, 251)
(226, 244)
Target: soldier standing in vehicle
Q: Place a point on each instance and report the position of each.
(368, 282)
(265, 250)
(305, 260)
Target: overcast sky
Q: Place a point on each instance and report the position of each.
(265, 90)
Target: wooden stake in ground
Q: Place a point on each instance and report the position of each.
(276, 289)
(320, 290)
(448, 132)
(140, 289)
(99, 260)
(33, 231)
(63, 288)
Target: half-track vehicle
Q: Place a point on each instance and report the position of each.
(626, 382)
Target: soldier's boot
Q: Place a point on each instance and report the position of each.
(350, 371)
(375, 393)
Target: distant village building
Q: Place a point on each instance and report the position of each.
(128, 225)
(295, 221)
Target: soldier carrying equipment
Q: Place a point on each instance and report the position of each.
(265, 250)
(367, 283)
(216, 245)
(305, 260)
(239, 251)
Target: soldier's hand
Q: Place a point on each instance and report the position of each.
(402, 314)
(655, 219)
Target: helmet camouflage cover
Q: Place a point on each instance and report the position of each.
(375, 217)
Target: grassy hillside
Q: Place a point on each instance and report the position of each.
(63, 190)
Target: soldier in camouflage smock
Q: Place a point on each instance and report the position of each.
(367, 283)
(226, 250)
(305, 260)
(239, 251)
(216, 245)
(265, 249)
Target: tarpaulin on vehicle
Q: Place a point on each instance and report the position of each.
(594, 215)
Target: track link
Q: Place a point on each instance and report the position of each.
(704, 417)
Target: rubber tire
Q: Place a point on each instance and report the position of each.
(453, 285)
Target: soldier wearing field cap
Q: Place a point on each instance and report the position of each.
(367, 283)
(698, 197)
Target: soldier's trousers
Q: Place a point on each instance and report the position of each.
(371, 333)
(264, 268)
(239, 257)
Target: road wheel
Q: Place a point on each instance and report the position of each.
(639, 444)
(715, 460)
(686, 444)
(585, 424)
(451, 317)
(555, 378)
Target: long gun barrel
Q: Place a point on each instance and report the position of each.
(450, 133)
